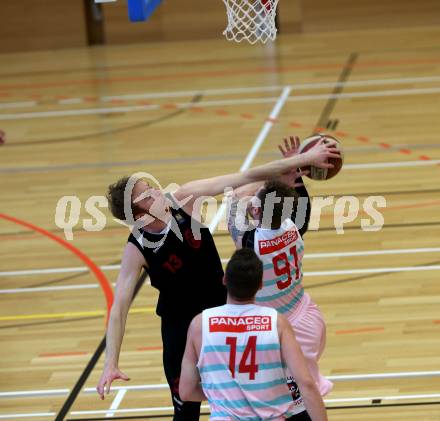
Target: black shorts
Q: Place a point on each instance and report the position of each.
(302, 416)
(174, 333)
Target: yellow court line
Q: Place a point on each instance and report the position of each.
(72, 314)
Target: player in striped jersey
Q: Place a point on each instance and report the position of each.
(186, 270)
(236, 356)
(278, 242)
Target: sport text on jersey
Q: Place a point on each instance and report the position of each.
(277, 243)
(240, 324)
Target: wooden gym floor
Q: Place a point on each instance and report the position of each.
(76, 120)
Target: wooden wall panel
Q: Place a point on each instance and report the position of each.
(41, 24)
(173, 20)
(290, 16)
(53, 24)
(344, 15)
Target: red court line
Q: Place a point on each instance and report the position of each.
(363, 139)
(341, 134)
(103, 281)
(196, 109)
(360, 330)
(217, 73)
(169, 106)
(149, 348)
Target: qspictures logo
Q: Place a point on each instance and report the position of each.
(340, 211)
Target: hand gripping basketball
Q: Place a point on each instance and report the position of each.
(326, 157)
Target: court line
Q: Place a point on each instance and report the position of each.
(248, 101)
(360, 330)
(173, 64)
(28, 415)
(170, 408)
(255, 148)
(397, 164)
(20, 104)
(372, 270)
(359, 253)
(216, 73)
(103, 282)
(116, 402)
(138, 310)
(159, 386)
(47, 289)
(371, 399)
(56, 270)
(336, 400)
(94, 286)
(226, 91)
(257, 89)
(67, 167)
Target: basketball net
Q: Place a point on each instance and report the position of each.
(251, 20)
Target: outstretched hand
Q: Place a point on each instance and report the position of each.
(107, 377)
(289, 149)
(291, 146)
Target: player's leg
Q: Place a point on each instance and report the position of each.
(302, 416)
(310, 332)
(174, 340)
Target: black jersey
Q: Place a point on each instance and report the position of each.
(187, 272)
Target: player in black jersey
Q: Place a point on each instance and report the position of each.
(185, 267)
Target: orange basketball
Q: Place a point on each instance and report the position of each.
(316, 173)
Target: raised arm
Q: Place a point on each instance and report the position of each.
(241, 197)
(317, 156)
(189, 383)
(296, 363)
(131, 265)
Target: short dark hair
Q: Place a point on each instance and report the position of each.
(243, 274)
(115, 196)
(282, 191)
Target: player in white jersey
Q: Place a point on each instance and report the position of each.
(279, 244)
(236, 356)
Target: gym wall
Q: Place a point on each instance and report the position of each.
(52, 24)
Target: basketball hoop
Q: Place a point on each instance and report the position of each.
(251, 20)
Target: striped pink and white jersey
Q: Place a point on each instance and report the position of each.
(281, 251)
(240, 365)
